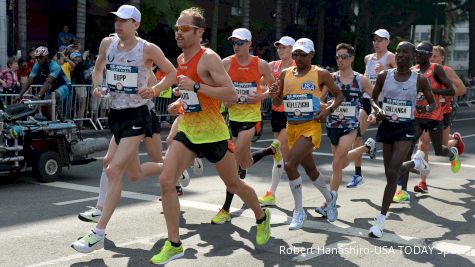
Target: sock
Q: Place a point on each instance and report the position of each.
(262, 220)
(453, 155)
(99, 232)
(229, 199)
(176, 245)
(358, 170)
(296, 188)
(277, 171)
(381, 218)
(103, 185)
(258, 155)
(417, 163)
(323, 188)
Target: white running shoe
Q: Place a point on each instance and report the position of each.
(371, 144)
(377, 229)
(92, 215)
(197, 166)
(89, 243)
(424, 167)
(332, 211)
(297, 220)
(184, 179)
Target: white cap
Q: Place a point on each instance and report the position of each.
(286, 40)
(381, 33)
(128, 12)
(303, 44)
(241, 34)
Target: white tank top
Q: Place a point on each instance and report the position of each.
(371, 66)
(399, 98)
(125, 74)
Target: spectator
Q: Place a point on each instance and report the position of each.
(31, 59)
(77, 79)
(9, 78)
(67, 65)
(65, 38)
(23, 71)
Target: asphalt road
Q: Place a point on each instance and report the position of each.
(38, 222)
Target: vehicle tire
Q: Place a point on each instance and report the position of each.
(47, 167)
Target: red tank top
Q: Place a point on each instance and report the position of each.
(276, 71)
(437, 114)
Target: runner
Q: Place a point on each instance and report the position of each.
(342, 124)
(245, 72)
(278, 119)
(299, 88)
(398, 89)
(380, 60)
(128, 61)
(455, 140)
(429, 126)
(202, 131)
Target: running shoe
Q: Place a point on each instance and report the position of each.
(297, 220)
(167, 254)
(322, 210)
(455, 163)
(424, 167)
(242, 173)
(179, 190)
(371, 144)
(332, 211)
(221, 218)
(355, 181)
(268, 199)
(377, 229)
(277, 153)
(197, 166)
(460, 144)
(402, 196)
(421, 187)
(91, 215)
(89, 243)
(263, 230)
(185, 179)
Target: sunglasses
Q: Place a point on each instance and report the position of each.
(185, 27)
(297, 54)
(423, 52)
(343, 56)
(238, 43)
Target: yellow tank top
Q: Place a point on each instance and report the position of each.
(246, 80)
(301, 95)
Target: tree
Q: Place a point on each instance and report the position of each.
(81, 21)
(22, 25)
(214, 26)
(245, 13)
(471, 30)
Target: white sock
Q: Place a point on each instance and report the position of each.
(277, 171)
(323, 188)
(381, 218)
(99, 232)
(296, 188)
(103, 185)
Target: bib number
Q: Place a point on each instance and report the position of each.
(122, 79)
(397, 110)
(300, 107)
(244, 90)
(190, 100)
(346, 111)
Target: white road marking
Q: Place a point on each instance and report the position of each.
(465, 119)
(75, 201)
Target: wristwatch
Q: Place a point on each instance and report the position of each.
(196, 87)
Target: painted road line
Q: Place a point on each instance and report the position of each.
(465, 119)
(75, 201)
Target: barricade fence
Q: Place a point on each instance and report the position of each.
(90, 111)
(81, 106)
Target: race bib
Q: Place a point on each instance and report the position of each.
(397, 110)
(190, 100)
(301, 107)
(122, 79)
(243, 91)
(346, 111)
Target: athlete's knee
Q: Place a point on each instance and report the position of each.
(106, 161)
(290, 165)
(424, 145)
(113, 173)
(134, 176)
(234, 186)
(167, 183)
(392, 172)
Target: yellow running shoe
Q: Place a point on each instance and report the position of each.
(268, 199)
(222, 217)
(455, 163)
(402, 196)
(167, 254)
(263, 230)
(277, 153)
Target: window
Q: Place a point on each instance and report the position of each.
(460, 55)
(236, 9)
(425, 36)
(461, 38)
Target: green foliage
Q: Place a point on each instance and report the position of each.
(154, 11)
